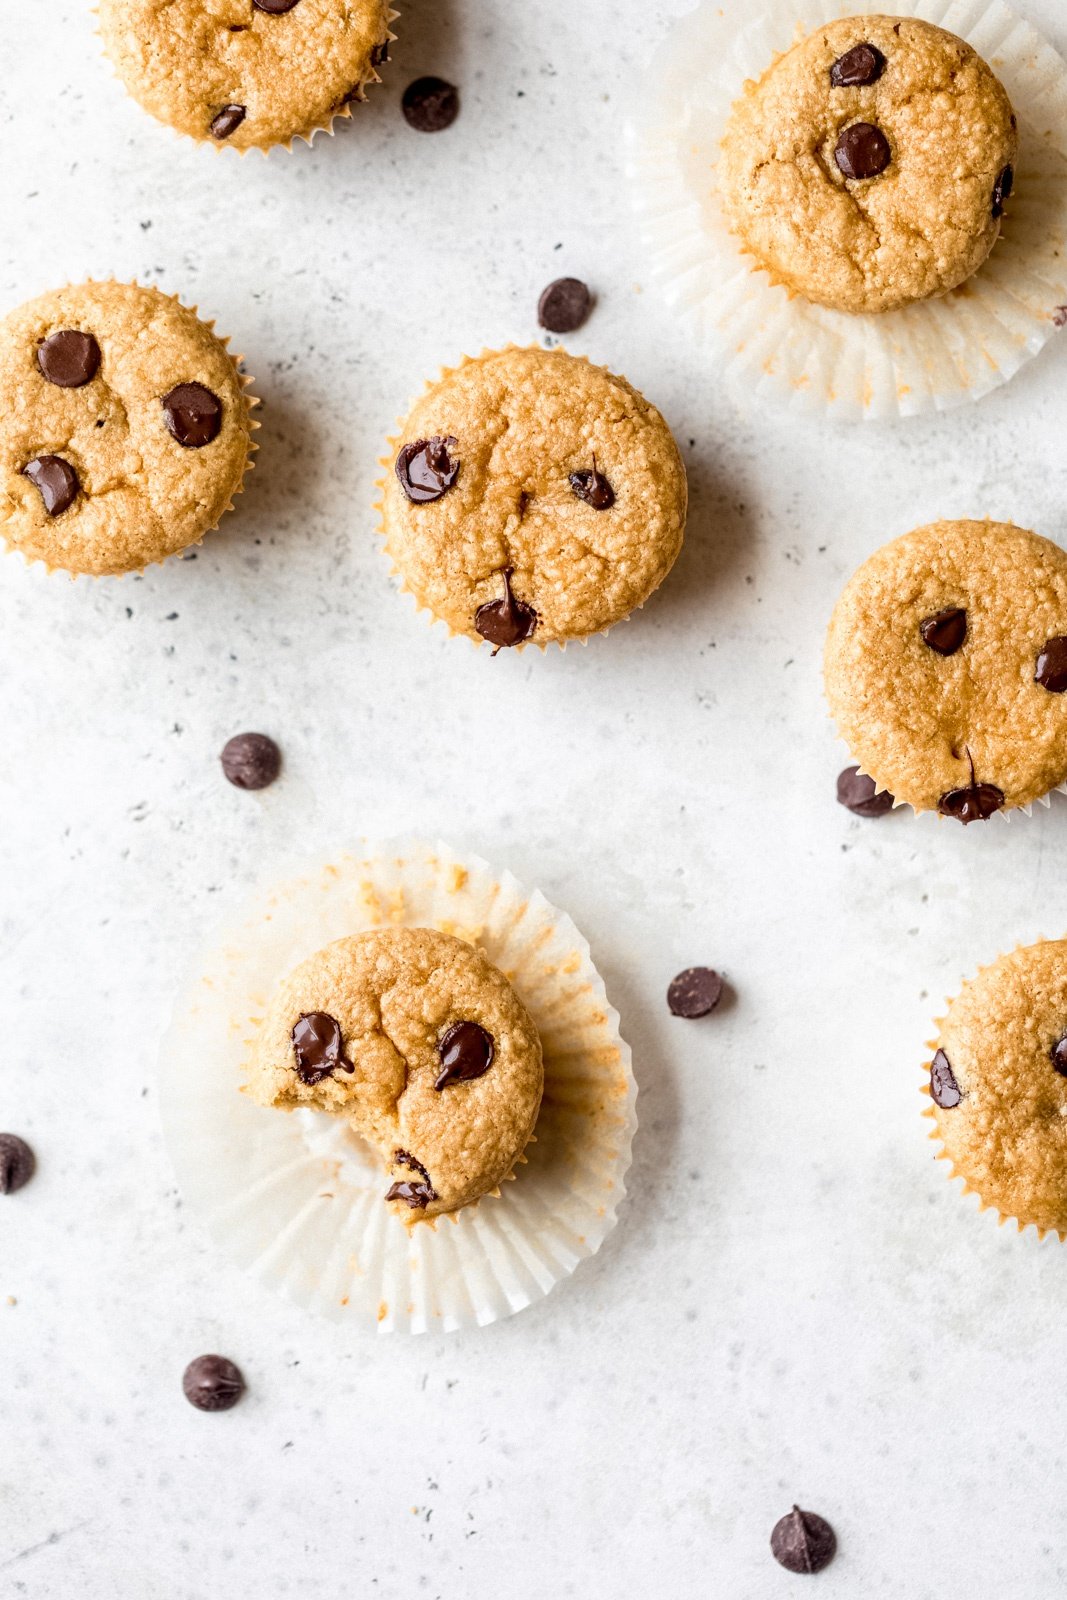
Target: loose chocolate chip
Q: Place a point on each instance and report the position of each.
(863, 64)
(564, 305)
(862, 151)
(1058, 1056)
(380, 53)
(69, 358)
(694, 992)
(1051, 669)
(275, 8)
(417, 1195)
(226, 120)
(465, 1051)
(861, 795)
(1002, 189)
(430, 105)
(17, 1163)
(427, 469)
(944, 1089)
(945, 631)
(505, 622)
(212, 1383)
(802, 1541)
(193, 414)
(56, 480)
(593, 488)
(251, 760)
(319, 1047)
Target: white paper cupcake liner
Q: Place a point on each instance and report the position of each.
(927, 357)
(297, 1198)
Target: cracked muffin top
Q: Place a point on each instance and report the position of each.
(423, 1046)
(869, 167)
(533, 497)
(125, 429)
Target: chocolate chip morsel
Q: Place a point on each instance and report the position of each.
(380, 54)
(802, 1541)
(251, 760)
(945, 631)
(1002, 189)
(593, 488)
(69, 358)
(564, 305)
(319, 1047)
(427, 469)
(465, 1051)
(859, 794)
(55, 480)
(863, 64)
(275, 8)
(1058, 1056)
(193, 415)
(213, 1383)
(695, 992)
(226, 120)
(17, 1163)
(944, 1090)
(1050, 670)
(416, 1193)
(505, 622)
(430, 105)
(862, 151)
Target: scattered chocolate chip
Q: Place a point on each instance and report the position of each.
(251, 760)
(802, 1541)
(862, 151)
(1002, 189)
(593, 488)
(1051, 668)
(380, 54)
(564, 305)
(427, 469)
(417, 1195)
(694, 992)
(944, 1089)
(430, 105)
(505, 622)
(863, 64)
(275, 8)
(212, 1383)
(193, 415)
(861, 795)
(226, 120)
(945, 631)
(1058, 1056)
(1059, 317)
(56, 481)
(975, 802)
(319, 1047)
(69, 358)
(465, 1051)
(17, 1163)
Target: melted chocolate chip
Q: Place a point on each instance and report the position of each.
(694, 992)
(862, 151)
(505, 622)
(69, 358)
(863, 64)
(976, 802)
(945, 631)
(212, 1383)
(427, 469)
(430, 105)
(55, 480)
(319, 1047)
(860, 794)
(564, 305)
(416, 1194)
(593, 488)
(251, 760)
(944, 1090)
(802, 1541)
(1050, 670)
(17, 1163)
(1002, 189)
(465, 1051)
(226, 120)
(193, 415)
(275, 8)
(380, 54)
(1058, 1056)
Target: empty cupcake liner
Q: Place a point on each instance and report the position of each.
(297, 1198)
(772, 344)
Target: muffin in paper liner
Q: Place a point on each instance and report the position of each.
(249, 400)
(930, 356)
(297, 1198)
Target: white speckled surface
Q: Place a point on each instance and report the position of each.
(795, 1305)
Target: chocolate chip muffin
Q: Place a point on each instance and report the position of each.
(423, 1046)
(247, 72)
(946, 668)
(870, 165)
(997, 1085)
(125, 430)
(533, 496)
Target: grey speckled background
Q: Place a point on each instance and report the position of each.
(795, 1304)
